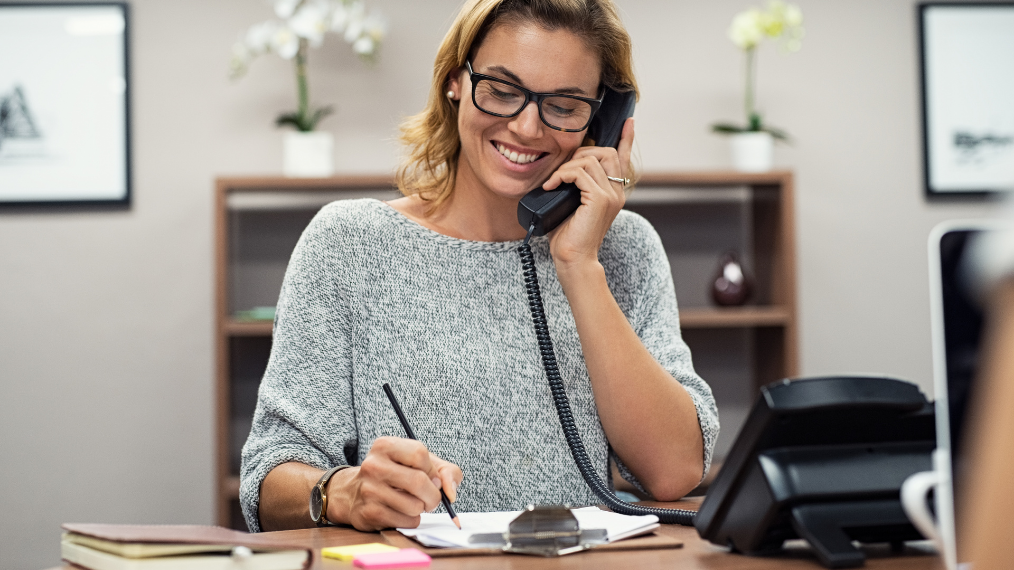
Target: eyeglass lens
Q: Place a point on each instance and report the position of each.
(503, 99)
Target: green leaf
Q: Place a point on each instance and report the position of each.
(727, 128)
(755, 123)
(778, 134)
(289, 119)
(303, 123)
(294, 119)
(319, 114)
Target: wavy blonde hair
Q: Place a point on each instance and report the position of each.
(431, 137)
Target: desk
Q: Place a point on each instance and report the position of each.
(696, 554)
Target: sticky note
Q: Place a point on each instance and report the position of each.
(402, 559)
(347, 553)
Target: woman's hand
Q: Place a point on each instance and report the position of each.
(398, 480)
(578, 238)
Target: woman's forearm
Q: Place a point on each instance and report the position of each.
(649, 418)
(285, 496)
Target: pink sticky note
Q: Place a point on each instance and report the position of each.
(400, 559)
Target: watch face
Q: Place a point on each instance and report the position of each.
(316, 503)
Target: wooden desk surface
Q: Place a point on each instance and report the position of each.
(696, 554)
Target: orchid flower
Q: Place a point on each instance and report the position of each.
(780, 21)
(303, 25)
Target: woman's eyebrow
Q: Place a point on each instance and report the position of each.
(513, 77)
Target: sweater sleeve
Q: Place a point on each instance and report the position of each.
(653, 314)
(306, 390)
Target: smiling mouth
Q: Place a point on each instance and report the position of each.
(516, 157)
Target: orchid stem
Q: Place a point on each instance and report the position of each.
(751, 114)
(301, 86)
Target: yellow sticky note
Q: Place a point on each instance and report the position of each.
(347, 553)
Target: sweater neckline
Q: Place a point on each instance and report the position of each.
(415, 227)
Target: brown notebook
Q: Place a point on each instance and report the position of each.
(108, 546)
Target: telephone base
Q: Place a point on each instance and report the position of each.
(831, 528)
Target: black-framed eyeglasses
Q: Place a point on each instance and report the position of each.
(568, 113)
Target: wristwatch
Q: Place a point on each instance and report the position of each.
(318, 497)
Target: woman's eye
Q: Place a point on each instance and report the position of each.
(503, 95)
(560, 110)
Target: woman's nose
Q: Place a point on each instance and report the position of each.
(527, 123)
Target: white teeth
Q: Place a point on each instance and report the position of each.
(515, 157)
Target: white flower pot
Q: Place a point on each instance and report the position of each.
(751, 152)
(308, 155)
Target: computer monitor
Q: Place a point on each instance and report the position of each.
(957, 327)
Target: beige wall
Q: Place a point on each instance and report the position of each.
(106, 318)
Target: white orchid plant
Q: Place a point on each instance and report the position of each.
(780, 21)
(303, 24)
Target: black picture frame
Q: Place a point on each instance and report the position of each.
(966, 140)
(79, 124)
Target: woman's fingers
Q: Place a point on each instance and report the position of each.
(569, 171)
(625, 147)
(449, 475)
(408, 452)
(401, 466)
(588, 175)
(376, 488)
(398, 480)
(377, 515)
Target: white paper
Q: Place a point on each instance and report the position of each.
(436, 529)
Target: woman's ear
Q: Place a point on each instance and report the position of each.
(454, 84)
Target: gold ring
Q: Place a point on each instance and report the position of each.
(624, 181)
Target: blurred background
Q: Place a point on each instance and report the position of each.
(107, 317)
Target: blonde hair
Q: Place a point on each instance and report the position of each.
(431, 137)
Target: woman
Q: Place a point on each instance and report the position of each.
(426, 293)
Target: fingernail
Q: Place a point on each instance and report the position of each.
(436, 482)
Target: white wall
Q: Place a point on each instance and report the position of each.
(106, 318)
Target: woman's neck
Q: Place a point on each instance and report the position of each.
(471, 212)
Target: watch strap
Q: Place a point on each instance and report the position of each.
(322, 487)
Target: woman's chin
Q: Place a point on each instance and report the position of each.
(507, 188)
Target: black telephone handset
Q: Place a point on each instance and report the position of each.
(548, 208)
(540, 211)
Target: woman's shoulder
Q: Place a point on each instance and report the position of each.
(351, 213)
(352, 219)
(632, 236)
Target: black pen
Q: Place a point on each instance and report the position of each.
(408, 430)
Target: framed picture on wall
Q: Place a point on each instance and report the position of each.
(967, 97)
(64, 104)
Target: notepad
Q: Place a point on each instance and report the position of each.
(403, 558)
(347, 553)
(437, 531)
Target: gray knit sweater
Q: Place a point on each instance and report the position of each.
(371, 297)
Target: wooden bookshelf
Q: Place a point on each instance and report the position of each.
(258, 220)
(695, 318)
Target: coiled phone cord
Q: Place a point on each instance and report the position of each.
(668, 516)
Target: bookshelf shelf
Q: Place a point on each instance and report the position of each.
(247, 328)
(702, 318)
